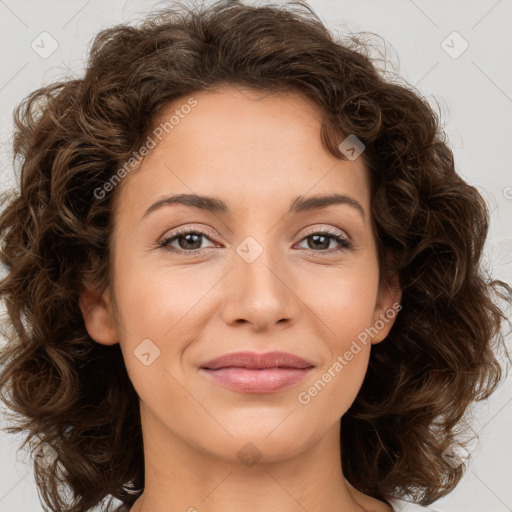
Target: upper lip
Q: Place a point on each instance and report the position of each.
(257, 361)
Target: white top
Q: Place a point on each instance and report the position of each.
(407, 506)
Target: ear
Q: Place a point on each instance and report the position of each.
(387, 307)
(97, 314)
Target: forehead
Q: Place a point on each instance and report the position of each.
(238, 143)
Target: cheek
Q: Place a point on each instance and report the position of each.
(160, 308)
(156, 302)
(346, 306)
(345, 299)
(347, 312)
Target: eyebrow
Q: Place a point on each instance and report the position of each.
(215, 205)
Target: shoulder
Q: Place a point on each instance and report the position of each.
(407, 506)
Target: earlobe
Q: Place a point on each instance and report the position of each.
(97, 317)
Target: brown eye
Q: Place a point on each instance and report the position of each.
(321, 241)
(187, 241)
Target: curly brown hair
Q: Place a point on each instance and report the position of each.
(71, 137)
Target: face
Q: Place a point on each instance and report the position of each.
(267, 270)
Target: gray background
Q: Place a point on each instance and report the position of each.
(474, 90)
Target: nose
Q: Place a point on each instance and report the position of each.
(260, 293)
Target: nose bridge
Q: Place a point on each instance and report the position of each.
(258, 292)
(260, 263)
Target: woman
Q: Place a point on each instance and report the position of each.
(242, 274)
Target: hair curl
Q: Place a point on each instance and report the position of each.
(71, 136)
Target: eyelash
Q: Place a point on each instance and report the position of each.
(345, 243)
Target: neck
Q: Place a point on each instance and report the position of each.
(179, 476)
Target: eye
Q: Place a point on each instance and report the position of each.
(321, 240)
(188, 241)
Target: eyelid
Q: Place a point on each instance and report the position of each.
(185, 228)
(205, 231)
(328, 229)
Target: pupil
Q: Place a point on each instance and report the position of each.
(187, 241)
(323, 246)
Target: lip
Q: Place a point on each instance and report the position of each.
(253, 360)
(250, 372)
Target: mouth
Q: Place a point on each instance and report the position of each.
(267, 380)
(249, 372)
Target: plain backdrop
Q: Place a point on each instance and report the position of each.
(458, 52)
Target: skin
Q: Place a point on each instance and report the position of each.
(257, 152)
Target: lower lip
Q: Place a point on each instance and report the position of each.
(268, 380)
